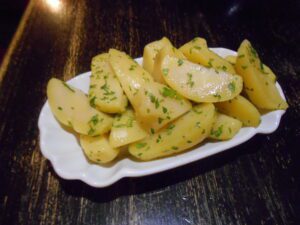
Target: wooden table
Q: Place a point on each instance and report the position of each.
(254, 183)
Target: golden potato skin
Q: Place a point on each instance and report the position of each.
(197, 51)
(105, 91)
(150, 51)
(186, 132)
(225, 127)
(97, 149)
(260, 89)
(241, 109)
(198, 83)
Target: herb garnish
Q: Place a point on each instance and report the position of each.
(165, 71)
(92, 101)
(217, 133)
(231, 87)
(180, 62)
(140, 145)
(190, 82)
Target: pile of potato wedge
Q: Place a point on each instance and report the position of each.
(174, 101)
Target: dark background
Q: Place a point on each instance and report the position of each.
(10, 15)
(254, 183)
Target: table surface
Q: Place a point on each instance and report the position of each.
(254, 183)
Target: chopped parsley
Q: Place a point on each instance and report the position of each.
(154, 100)
(59, 108)
(158, 140)
(217, 133)
(132, 67)
(160, 120)
(91, 131)
(140, 145)
(165, 71)
(224, 68)
(92, 101)
(195, 47)
(262, 69)
(168, 92)
(106, 89)
(170, 129)
(253, 51)
(231, 87)
(180, 62)
(190, 82)
(94, 120)
(210, 62)
(217, 95)
(129, 123)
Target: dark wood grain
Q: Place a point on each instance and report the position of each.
(254, 183)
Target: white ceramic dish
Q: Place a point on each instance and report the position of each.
(69, 162)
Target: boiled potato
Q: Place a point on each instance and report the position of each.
(155, 104)
(199, 83)
(231, 59)
(197, 51)
(150, 51)
(260, 88)
(105, 91)
(126, 130)
(71, 107)
(166, 50)
(97, 149)
(241, 109)
(184, 133)
(265, 69)
(224, 127)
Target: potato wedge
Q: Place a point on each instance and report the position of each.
(166, 50)
(71, 107)
(231, 59)
(224, 127)
(197, 51)
(260, 88)
(199, 83)
(242, 109)
(97, 149)
(265, 69)
(155, 104)
(105, 91)
(126, 129)
(186, 132)
(150, 51)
